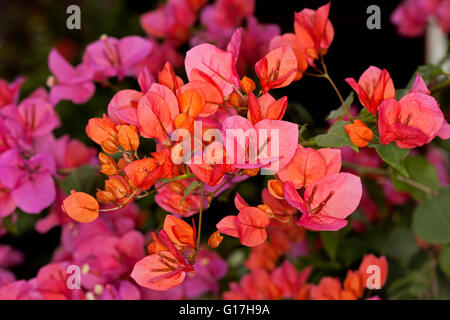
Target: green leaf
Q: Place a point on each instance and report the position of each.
(330, 241)
(191, 187)
(444, 260)
(429, 72)
(400, 93)
(81, 179)
(431, 218)
(400, 244)
(394, 156)
(366, 116)
(421, 172)
(336, 137)
(340, 112)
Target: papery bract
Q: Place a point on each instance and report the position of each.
(327, 202)
(277, 69)
(373, 87)
(314, 30)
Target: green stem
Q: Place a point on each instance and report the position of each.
(327, 76)
(440, 86)
(416, 185)
(200, 215)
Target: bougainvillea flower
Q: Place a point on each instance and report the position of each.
(267, 144)
(81, 207)
(308, 165)
(165, 267)
(100, 130)
(289, 280)
(9, 92)
(30, 180)
(353, 285)
(219, 65)
(373, 87)
(256, 285)
(410, 18)
(411, 122)
(209, 163)
(157, 111)
(366, 270)
(123, 107)
(279, 207)
(141, 173)
(171, 21)
(169, 198)
(327, 202)
(168, 77)
(70, 83)
(265, 107)
(109, 57)
(51, 283)
(327, 289)
(249, 226)
(314, 30)
(179, 232)
(210, 92)
(290, 39)
(36, 116)
(277, 69)
(158, 271)
(359, 133)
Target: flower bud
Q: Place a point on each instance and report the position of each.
(247, 84)
(108, 165)
(128, 137)
(276, 188)
(117, 186)
(104, 197)
(359, 133)
(215, 239)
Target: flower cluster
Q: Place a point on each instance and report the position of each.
(285, 282)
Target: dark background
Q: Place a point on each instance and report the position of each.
(29, 29)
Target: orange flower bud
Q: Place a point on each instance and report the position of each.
(108, 165)
(110, 145)
(276, 188)
(247, 84)
(98, 129)
(81, 207)
(128, 137)
(251, 172)
(215, 239)
(104, 197)
(359, 133)
(191, 102)
(234, 99)
(117, 186)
